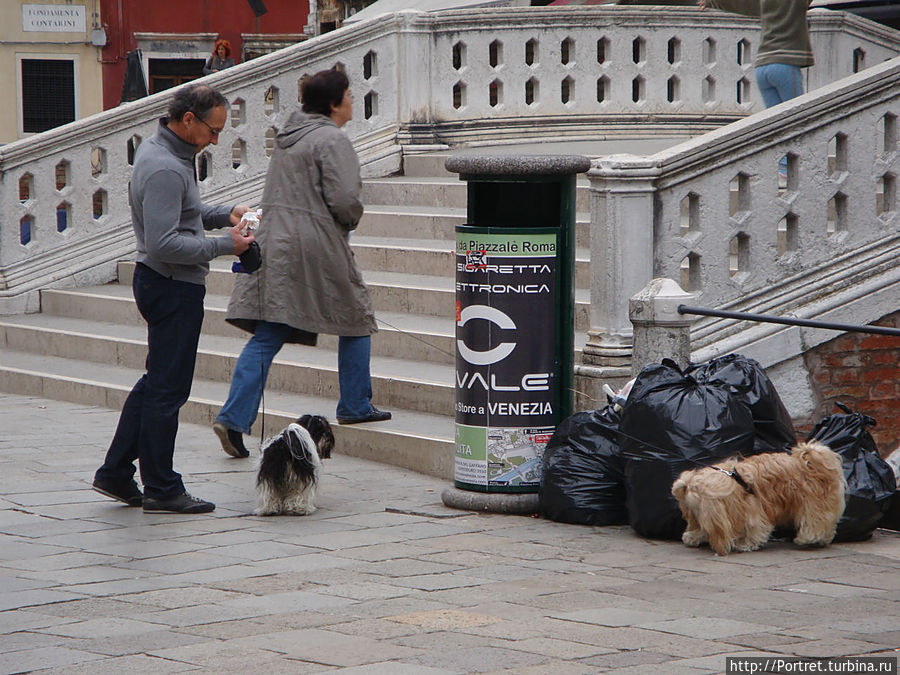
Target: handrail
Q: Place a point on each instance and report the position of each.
(788, 321)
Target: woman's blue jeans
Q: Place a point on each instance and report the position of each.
(778, 82)
(252, 370)
(354, 376)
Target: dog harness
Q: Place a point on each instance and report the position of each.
(737, 477)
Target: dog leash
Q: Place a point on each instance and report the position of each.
(736, 476)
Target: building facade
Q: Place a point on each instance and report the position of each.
(170, 40)
(50, 54)
(68, 59)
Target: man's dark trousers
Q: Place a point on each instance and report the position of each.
(149, 420)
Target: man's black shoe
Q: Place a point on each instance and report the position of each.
(375, 415)
(183, 503)
(232, 441)
(128, 493)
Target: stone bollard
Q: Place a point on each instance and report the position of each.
(659, 330)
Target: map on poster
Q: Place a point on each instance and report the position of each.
(514, 455)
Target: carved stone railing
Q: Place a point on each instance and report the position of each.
(591, 71)
(486, 75)
(63, 193)
(793, 210)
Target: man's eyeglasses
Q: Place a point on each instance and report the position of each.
(214, 132)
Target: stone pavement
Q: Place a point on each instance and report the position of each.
(383, 579)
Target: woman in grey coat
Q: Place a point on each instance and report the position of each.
(309, 282)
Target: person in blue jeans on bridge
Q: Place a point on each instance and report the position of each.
(309, 282)
(784, 46)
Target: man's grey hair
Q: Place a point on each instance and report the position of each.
(196, 98)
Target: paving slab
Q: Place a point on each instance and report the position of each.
(28, 660)
(383, 579)
(137, 664)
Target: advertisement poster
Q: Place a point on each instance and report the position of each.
(506, 368)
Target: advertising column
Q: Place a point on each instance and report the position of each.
(507, 371)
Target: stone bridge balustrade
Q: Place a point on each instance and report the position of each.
(64, 192)
(574, 67)
(484, 75)
(792, 210)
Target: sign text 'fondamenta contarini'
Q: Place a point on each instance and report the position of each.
(53, 18)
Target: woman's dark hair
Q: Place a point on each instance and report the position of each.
(196, 98)
(323, 90)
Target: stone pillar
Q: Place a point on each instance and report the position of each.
(659, 330)
(622, 216)
(417, 79)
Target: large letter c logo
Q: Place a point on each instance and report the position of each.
(495, 316)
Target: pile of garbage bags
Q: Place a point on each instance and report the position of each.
(617, 465)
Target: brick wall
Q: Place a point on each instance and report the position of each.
(862, 371)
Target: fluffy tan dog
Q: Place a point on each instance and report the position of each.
(735, 505)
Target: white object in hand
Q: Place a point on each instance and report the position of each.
(250, 222)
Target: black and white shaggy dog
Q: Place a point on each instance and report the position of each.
(289, 467)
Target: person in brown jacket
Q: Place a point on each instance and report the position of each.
(309, 282)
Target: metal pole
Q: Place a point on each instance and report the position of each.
(765, 318)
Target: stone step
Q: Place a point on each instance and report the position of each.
(418, 191)
(435, 223)
(400, 335)
(446, 191)
(412, 440)
(431, 220)
(426, 295)
(396, 383)
(396, 220)
(426, 164)
(395, 292)
(431, 256)
(422, 160)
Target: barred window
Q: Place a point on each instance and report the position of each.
(48, 93)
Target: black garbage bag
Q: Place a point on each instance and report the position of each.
(870, 480)
(747, 380)
(583, 479)
(891, 518)
(672, 423)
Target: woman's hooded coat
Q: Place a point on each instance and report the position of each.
(311, 202)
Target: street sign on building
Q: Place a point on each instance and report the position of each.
(53, 18)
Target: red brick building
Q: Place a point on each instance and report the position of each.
(176, 37)
(863, 372)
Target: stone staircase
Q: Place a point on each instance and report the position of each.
(88, 345)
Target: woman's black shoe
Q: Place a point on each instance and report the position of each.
(375, 415)
(232, 441)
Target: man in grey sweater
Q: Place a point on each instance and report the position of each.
(173, 255)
